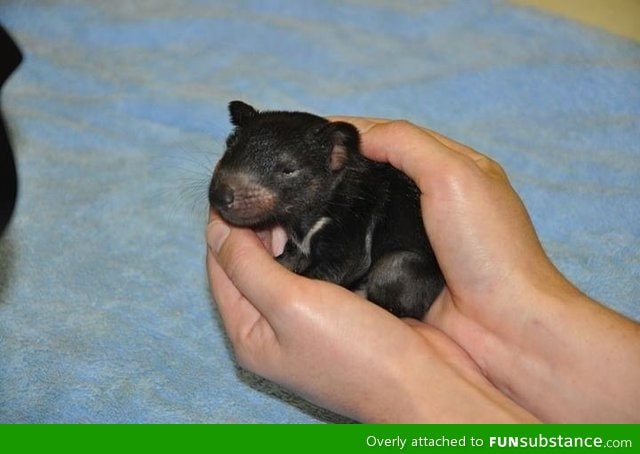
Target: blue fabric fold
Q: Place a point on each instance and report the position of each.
(118, 114)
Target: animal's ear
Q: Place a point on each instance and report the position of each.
(344, 139)
(241, 113)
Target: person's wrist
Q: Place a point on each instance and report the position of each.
(526, 356)
(437, 387)
(501, 334)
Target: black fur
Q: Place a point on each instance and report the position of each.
(349, 220)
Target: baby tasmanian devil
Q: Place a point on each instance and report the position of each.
(349, 220)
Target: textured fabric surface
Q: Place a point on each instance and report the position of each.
(118, 114)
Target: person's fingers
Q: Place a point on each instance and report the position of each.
(415, 152)
(273, 239)
(404, 144)
(249, 266)
(364, 125)
(239, 317)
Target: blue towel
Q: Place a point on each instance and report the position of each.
(118, 114)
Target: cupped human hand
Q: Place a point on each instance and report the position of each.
(535, 336)
(480, 230)
(336, 349)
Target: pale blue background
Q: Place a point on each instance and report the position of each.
(119, 112)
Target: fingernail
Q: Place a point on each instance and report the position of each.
(217, 233)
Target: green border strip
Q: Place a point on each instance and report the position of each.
(316, 438)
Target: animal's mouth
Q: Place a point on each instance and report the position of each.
(251, 216)
(274, 239)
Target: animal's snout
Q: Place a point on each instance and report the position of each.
(222, 196)
(240, 199)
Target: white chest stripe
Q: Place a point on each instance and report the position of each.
(305, 245)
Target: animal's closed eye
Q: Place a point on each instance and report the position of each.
(288, 170)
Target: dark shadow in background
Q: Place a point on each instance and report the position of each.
(9, 61)
(11, 58)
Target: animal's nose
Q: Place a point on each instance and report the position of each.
(222, 196)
